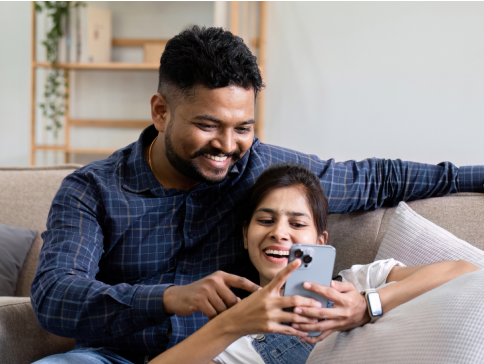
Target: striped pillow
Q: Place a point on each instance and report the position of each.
(414, 240)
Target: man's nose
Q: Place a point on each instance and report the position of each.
(224, 141)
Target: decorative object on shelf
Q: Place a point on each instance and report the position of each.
(55, 92)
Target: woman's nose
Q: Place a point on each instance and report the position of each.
(280, 232)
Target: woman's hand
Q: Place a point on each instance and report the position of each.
(349, 310)
(262, 311)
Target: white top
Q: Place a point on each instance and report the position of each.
(373, 275)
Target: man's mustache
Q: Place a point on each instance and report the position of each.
(235, 154)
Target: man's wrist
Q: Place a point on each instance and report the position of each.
(169, 300)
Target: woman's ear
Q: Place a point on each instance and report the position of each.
(323, 238)
(245, 231)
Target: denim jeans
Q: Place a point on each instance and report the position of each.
(282, 349)
(93, 356)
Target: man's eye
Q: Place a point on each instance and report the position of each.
(263, 221)
(243, 130)
(206, 126)
(297, 225)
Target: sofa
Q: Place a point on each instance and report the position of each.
(26, 194)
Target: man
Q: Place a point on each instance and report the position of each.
(132, 241)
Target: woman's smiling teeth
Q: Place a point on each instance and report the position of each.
(282, 253)
(215, 158)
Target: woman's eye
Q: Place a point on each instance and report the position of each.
(297, 225)
(264, 221)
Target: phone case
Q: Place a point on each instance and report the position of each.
(319, 270)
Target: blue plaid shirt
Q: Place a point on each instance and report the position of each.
(116, 239)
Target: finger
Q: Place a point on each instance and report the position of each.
(208, 310)
(281, 277)
(238, 299)
(325, 291)
(228, 297)
(319, 313)
(288, 330)
(217, 302)
(295, 318)
(296, 301)
(231, 280)
(343, 286)
(316, 339)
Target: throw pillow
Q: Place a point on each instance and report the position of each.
(442, 326)
(414, 240)
(15, 243)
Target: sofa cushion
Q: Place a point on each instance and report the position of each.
(27, 203)
(442, 326)
(15, 242)
(414, 240)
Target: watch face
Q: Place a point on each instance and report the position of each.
(375, 304)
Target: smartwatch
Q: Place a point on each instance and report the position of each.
(373, 303)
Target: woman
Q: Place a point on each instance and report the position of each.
(287, 206)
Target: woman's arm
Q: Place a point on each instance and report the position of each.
(350, 309)
(261, 312)
(414, 281)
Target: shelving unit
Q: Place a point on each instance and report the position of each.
(69, 122)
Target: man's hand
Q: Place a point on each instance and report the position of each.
(210, 295)
(349, 310)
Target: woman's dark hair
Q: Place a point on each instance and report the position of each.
(209, 57)
(289, 175)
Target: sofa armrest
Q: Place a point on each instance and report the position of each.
(22, 340)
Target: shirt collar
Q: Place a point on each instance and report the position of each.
(139, 178)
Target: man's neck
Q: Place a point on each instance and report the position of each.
(161, 167)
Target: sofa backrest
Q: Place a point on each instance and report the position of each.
(357, 236)
(26, 195)
(25, 198)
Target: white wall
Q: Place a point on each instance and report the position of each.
(351, 80)
(14, 83)
(346, 80)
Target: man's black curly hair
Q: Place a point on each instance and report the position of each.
(208, 57)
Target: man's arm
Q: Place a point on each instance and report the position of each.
(66, 297)
(372, 183)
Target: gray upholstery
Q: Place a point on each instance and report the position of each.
(26, 195)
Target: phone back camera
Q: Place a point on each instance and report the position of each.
(298, 253)
(307, 259)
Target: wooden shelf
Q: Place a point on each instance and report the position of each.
(111, 123)
(65, 149)
(102, 66)
(150, 47)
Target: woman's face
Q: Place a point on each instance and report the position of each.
(282, 218)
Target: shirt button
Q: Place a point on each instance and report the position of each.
(190, 235)
(183, 271)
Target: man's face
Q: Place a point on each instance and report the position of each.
(209, 132)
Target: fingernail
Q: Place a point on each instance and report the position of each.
(315, 320)
(307, 285)
(297, 310)
(318, 304)
(259, 288)
(296, 326)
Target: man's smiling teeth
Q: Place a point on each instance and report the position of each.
(218, 159)
(277, 252)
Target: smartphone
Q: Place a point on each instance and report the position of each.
(317, 262)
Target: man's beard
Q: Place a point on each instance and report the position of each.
(189, 167)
